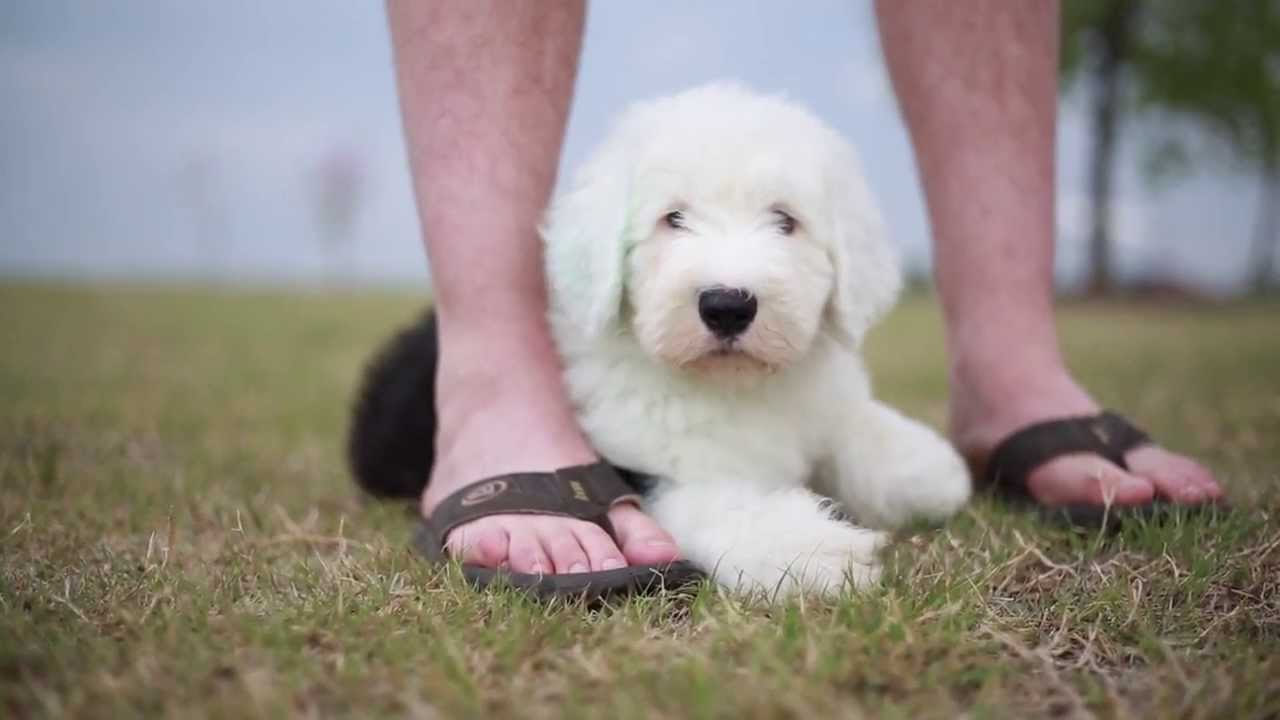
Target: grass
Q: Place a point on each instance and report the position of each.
(178, 537)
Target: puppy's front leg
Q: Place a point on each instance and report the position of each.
(889, 469)
(779, 541)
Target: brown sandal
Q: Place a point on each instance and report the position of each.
(1107, 434)
(585, 492)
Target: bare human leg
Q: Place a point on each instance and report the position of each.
(977, 84)
(484, 89)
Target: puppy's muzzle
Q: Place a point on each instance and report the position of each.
(726, 311)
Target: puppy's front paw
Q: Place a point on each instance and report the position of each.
(846, 555)
(781, 543)
(922, 478)
(940, 476)
(830, 556)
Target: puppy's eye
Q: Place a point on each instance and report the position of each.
(675, 220)
(786, 223)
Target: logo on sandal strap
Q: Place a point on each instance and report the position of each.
(1099, 430)
(484, 493)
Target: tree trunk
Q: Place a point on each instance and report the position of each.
(1114, 42)
(1266, 237)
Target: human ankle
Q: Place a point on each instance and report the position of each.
(495, 419)
(991, 397)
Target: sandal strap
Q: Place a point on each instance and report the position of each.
(583, 492)
(1107, 434)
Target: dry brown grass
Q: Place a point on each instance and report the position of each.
(178, 537)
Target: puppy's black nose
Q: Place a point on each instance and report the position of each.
(726, 311)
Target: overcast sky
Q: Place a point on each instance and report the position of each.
(154, 138)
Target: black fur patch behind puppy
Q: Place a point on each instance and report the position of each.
(391, 443)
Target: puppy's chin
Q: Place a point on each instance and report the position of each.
(728, 362)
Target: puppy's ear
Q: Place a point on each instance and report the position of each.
(585, 246)
(867, 272)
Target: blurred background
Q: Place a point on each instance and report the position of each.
(260, 143)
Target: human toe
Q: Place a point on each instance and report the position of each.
(481, 542)
(526, 553)
(602, 551)
(1089, 480)
(642, 541)
(1175, 477)
(563, 548)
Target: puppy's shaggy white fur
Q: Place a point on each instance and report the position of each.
(750, 438)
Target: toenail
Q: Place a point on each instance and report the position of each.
(658, 543)
(577, 568)
(612, 564)
(536, 567)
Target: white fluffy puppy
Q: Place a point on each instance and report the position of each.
(712, 272)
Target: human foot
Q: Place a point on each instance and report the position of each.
(985, 412)
(497, 426)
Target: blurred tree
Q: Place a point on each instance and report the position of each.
(1100, 39)
(1217, 63)
(339, 184)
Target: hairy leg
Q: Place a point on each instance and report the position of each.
(484, 90)
(977, 83)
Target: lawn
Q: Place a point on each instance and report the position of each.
(179, 537)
